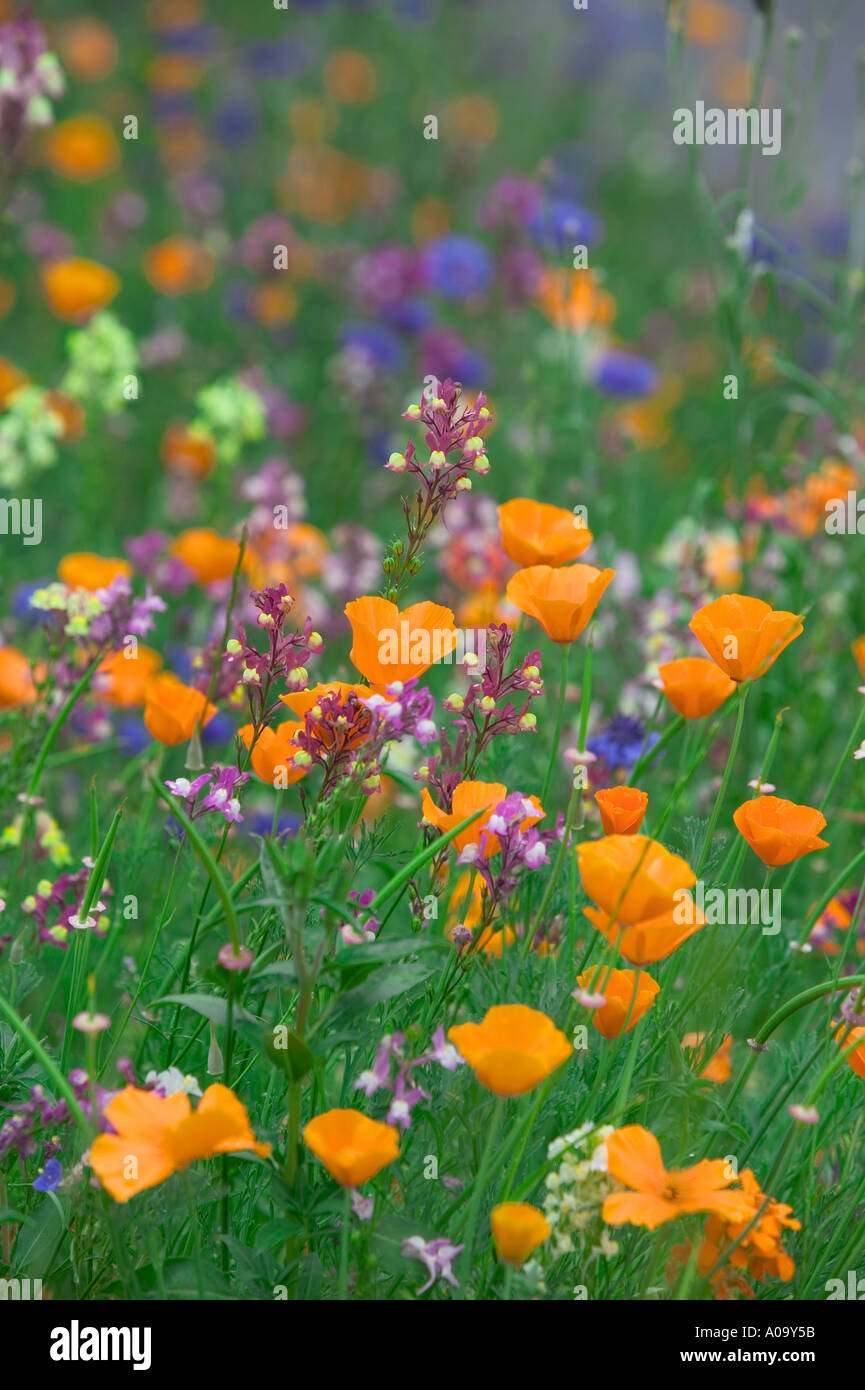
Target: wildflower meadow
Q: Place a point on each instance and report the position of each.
(432, 658)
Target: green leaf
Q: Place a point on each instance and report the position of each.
(210, 1006)
(383, 985)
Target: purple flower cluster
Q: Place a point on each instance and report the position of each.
(39, 1113)
(222, 782)
(484, 712)
(404, 1094)
(346, 734)
(285, 658)
(520, 846)
(30, 79)
(65, 897)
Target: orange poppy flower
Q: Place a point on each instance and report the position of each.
(858, 650)
(536, 533)
(300, 701)
(186, 451)
(845, 1037)
(76, 288)
(626, 992)
(173, 711)
(657, 1195)
(744, 636)
(209, 555)
(11, 380)
(16, 679)
(695, 686)
(574, 300)
(178, 265)
(622, 809)
(350, 77)
(154, 1136)
(83, 148)
(466, 903)
(640, 890)
(718, 1066)
(513, 1049)
(122, 677)
(494, 943)
(85, 570)
(562, 600)
(760, 1252)
(518, 1229)
(779, 831)
(469, 797)
(272, 756)
(392, 645)
(352, 1147)
(88, 48)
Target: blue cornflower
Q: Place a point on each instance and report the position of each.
(458, 266)
(622, 374)
(562, 223)
(621, 743)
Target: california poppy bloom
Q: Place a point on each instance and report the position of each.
(16, 679)
(779, 831)
(744, 636)
(562, 600)
(82, 148)
(122, 679)
(391, 645)
(178, 265)
(209, 555)
(760, 1253)
(695, 686)
(640, 890)
(173, 711)
(191, 453)
(622, 809)
(513, 1049)
(536, 533)
(628, 994)
(77, 288)
(273, 754)
(634, 1159)
(846, 1037)
(352, 1147)
(88, 48)
(85, 570)
(154, 1136)
(574, 300)
(301, 701)
(518, 1229)
(469, 797)
(717, 1068)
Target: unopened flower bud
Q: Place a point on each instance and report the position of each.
(233, 647)
(464, 485)
(297, 678)
(397, 463)
(315, 642)
(475, 445)
(437, 459)
(413, 412)
(250, 676)
(527, 721)
(487, 704)
(482, 465)
(455, 703)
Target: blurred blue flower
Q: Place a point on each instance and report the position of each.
(377, 340)
(457, 266)
(561, 223)
(622, 374)
(50, 1178)
(621, 743)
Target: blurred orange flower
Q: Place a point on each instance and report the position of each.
(622, 809)
(562, 600)
(352, 1147)
(695, 686)
(83, 148)
(85, 570)
(658, 1195)
(718, 1066)
(350, 77)
(626, 992)
(640, 889)
(77, 288)
(186, 451)
(513, 1049)
(779, 831)
(744, 636)
(573, 299)
(536, 533)
(207, 554)
(88, 48)
(155, 1136)
(122, 676)
(173, 711)
(518, 1229)
(391, 645)
(178, 265)
(16, 679)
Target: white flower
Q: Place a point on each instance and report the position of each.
(173, 1082)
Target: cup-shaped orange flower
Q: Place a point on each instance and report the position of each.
(744, 636)
(858, 650)
(122, 678)
(658, 1195)
(16, 679)
(154, 1136)
(518, 1229)
(469, 797)
(695, 686)
(846, 1037)
(392, 645)
(300, 701)
(87, 571)
(82, 148)
(628, 994)
(77, 288)
(537, 533)
(352, 1147)
(622, 809)
(779, 831)
(173, 711)
(273, 754)
(562, 600)
(513, 1049)
(717, 1068)
(641, 894)
(209, 555)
